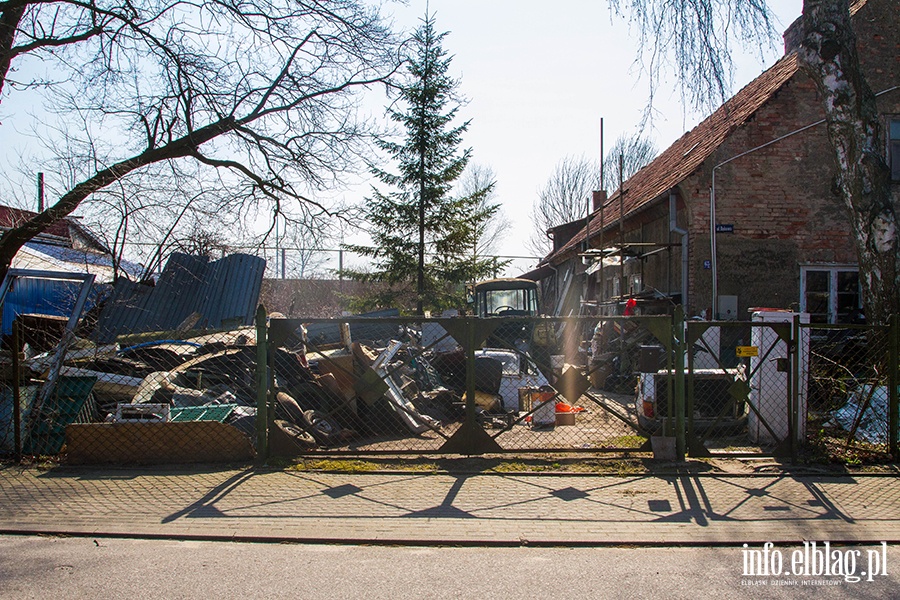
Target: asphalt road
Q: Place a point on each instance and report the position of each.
(97, 568)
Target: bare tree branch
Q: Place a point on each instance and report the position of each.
(267, 88)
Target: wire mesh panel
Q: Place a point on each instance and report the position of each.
(465, 385)
(457, 385)
(849, 393)
(739, 387)
(373, 387)
(149, 397)
(569, 384)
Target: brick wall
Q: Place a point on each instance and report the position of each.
(781, 199)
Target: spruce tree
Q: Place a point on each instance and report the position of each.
(422, 233)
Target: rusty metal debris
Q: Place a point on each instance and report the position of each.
(399, 381)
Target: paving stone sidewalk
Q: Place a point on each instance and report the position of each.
(473, 509)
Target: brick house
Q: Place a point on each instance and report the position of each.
(762, 166)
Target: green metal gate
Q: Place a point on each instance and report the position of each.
(461, 385)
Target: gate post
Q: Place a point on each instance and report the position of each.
(17, 391)
(794, 416)
(471, 417)
(262, 420)
(680, 348)
(893, 382)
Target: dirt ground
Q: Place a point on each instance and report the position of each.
(607, 422)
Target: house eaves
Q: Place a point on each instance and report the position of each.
(67, 231)
(683, 157)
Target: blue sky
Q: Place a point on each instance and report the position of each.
(539, 76)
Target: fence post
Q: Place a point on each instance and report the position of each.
(680, 348)
(17, 391)
(471, 417)
(795, 425)
(262, 420)
(893, 382)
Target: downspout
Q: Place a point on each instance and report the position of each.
(712, 208)
(712, 201)
(555, 284)
(673, 228)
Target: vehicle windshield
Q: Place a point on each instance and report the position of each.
(510, 360)
(497, 302)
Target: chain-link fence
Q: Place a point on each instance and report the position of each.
(456, 385)
(851, 410)
(145, 398)
(739, 387)
(463, 385)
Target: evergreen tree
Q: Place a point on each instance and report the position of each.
(422, 234)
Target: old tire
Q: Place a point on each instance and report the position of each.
(322, 427)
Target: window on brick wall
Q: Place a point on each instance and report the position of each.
(894, 148)
(830, 294)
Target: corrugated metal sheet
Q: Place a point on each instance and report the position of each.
(224, 292)
(30, 295)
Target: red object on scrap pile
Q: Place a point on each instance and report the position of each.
(629, 307)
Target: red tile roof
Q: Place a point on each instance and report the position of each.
(68, 230)
(13, 217)
(689, 152)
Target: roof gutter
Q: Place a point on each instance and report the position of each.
(673, 228)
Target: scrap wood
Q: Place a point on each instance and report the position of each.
(157, 443)
(341, 369)
(217, 334)
(364, 355)
(80, 350)
(52, 375)
(339, 390)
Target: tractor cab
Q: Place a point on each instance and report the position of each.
(515, 301)
(505, 298)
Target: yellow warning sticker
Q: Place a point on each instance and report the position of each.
(745, 351)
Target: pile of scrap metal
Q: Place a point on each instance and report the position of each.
(388, 388)
(197, 379)
(202, 378)
(180, 350)
(364, 392)
(615, 353)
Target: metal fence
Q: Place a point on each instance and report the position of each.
(851, 402)
(464, 385)
(452, 386)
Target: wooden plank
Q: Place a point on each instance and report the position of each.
(156, 443)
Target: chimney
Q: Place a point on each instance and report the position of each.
(793, 35)
(597, 200)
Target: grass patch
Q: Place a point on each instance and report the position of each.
(361, 465)
(830, 446)
(626, 441)
(622, 466)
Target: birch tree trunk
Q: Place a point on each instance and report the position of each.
(829, 55)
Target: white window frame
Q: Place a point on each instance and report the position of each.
(833, 269)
